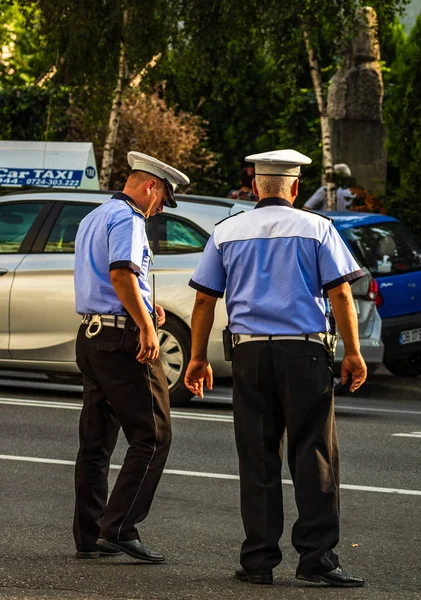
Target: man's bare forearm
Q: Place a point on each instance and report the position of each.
(201, 325)
(343, 307)
(126, 286)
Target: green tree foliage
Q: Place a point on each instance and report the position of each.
(86, 35)
(238, 99)
(403, 121)
(25, 54)
(24, 113)
(243, 67)
(392, 37)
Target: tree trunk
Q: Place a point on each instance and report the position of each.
(327, 177)
(108, 155)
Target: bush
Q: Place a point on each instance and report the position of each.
(148, 125)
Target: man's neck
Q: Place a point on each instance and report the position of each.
(132, 201)
(280, 197)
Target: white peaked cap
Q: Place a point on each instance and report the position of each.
(172, 177)
(278, 162)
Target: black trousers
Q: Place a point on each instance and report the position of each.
(278, 386)
(117, 391)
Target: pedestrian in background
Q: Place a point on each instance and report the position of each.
(245, 192)
(344, 196)
(117, 352)
(275, 263)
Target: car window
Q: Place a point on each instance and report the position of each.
(63, 234)
(178, 236)
(385, 248)
(15, 221)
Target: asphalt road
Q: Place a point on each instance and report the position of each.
(195, 517)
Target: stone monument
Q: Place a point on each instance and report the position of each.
(355, 108)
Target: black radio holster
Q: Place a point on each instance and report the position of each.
(129, 342)
(227, 342)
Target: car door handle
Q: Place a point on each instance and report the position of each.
(3, 271)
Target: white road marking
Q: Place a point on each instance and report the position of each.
(199, 415)
(381, 410)
(344, 486)
(41, 403)
(34, 459)
(414, 434)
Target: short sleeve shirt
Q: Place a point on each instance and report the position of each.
(110, 237)
(275, 263)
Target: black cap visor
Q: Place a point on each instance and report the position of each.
(170, 200)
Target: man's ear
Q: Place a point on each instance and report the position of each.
(294, 188)
(254, 187)
(150, 185)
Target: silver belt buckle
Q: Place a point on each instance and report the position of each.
(94, 327)
(331, 341)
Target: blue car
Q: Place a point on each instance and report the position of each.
(393, 256)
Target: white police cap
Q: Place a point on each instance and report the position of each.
(279, 162)
(170, 176)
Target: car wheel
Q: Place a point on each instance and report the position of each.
(175, 345)
(405, 367)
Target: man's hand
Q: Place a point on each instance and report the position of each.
(161, 314)
(353, 364)
(149, 345)
(197, 371)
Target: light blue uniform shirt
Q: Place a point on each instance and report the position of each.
(110, 237)
(274, 263)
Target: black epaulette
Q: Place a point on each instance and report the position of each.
(230, 217)
(318, 214)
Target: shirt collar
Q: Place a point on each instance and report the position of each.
(129, 200)
(273, 201)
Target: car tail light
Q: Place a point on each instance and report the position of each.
(373, 293)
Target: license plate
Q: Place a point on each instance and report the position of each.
(410, 336)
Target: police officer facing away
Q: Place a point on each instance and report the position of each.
(274, 263)
(117, 352)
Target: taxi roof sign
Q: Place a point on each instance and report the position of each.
(64, 165)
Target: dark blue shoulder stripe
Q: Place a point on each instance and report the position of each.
(205, 290)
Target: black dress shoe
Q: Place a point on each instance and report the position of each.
(133, 548)
(338, 577)
(96, 552)
(243, 575)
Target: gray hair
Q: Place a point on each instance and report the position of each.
(274, 186)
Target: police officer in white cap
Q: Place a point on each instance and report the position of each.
(274, 264)
(344, 196)
(117, 352)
